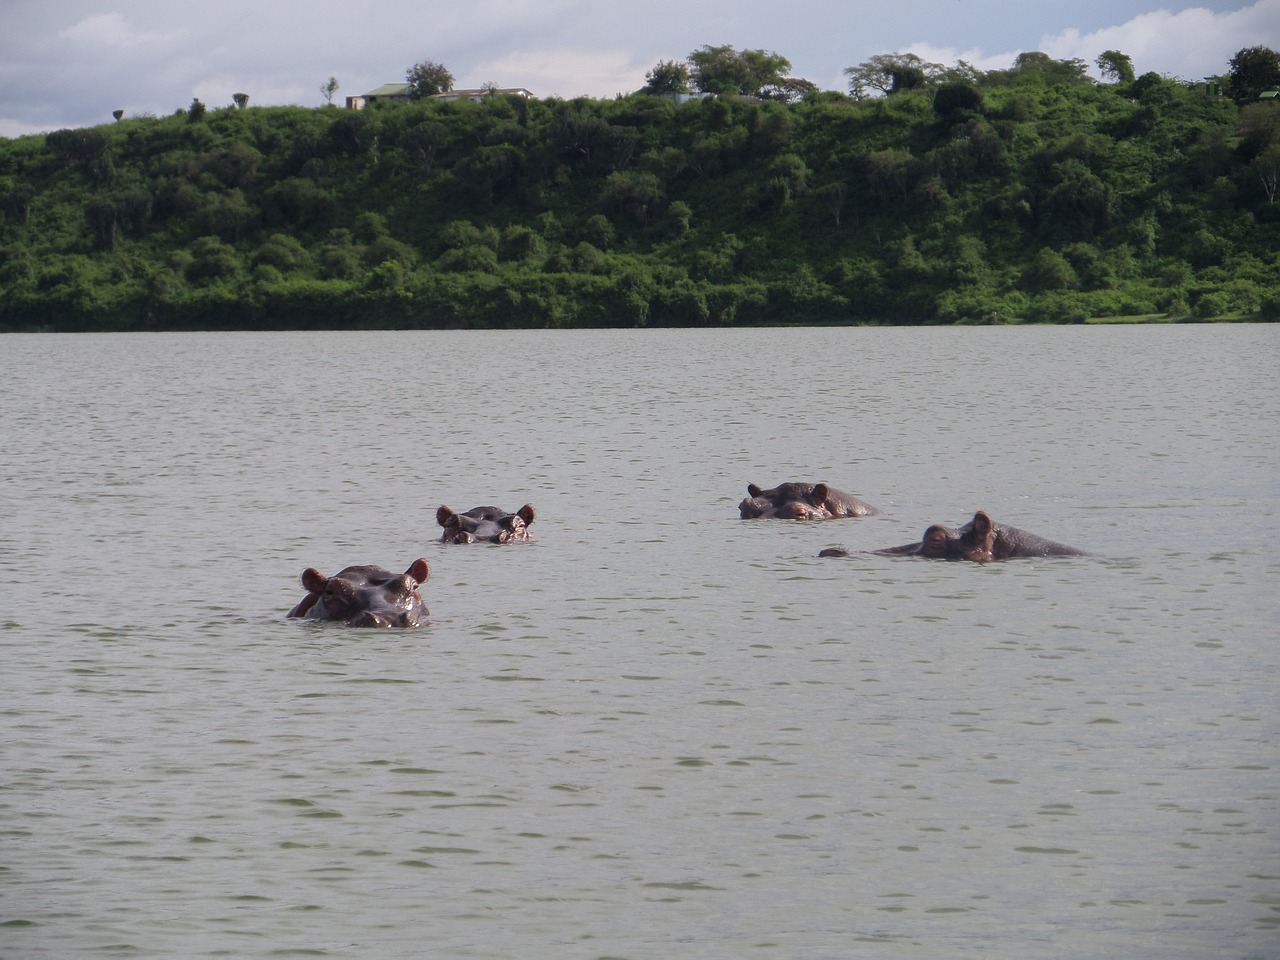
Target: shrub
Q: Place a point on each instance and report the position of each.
(472, 259)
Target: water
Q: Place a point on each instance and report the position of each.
(656, 730)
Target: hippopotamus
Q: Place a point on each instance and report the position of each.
(980, 540)
(485, 525)
(365, 596)
(801, 501)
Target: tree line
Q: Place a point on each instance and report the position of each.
(923, 195)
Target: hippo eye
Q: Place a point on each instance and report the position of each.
(338, 594)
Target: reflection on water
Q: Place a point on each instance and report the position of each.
(655, 729)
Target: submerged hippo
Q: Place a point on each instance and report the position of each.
(485, 525)
(801, 501)
(980, 540)
(365, 596)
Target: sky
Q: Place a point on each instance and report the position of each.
(71, 63)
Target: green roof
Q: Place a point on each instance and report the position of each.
(390, 90)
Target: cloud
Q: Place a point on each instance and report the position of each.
(111, 29)
(72, 62)
(1190, 44)
(948, 57)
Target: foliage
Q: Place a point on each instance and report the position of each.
(1036, 64)
(667, 77)
(957, 96)
(748, 73)
(1115, 66)
(1253, 70)
(891, 73)
(428, 78)
(1031, 194)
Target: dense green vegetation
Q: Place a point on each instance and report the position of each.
(1032, 194)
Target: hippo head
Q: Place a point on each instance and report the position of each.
(973, 541)
(981, 540)
(802, 501)
(761, 508)
(365, 596)
(485, 524)
(788, 501)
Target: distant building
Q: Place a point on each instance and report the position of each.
(478, 94)
(683, 98)
(396, 92)
(400, 93)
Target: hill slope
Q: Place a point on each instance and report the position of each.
(1007, 196)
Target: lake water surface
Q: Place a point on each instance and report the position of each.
(656, 730)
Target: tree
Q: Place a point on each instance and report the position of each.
(1267, 166)
(1049, 270)
(667, 77)
(1115, 66)
(428, 78)
(1035, 63)
(1258, 127)
(241, 99)
(328, 89)
(789, 90)
(891, 73)
(638, 195)
(196, 112)
(103, 220)
(888, 172)
(486, 168)
(955, 97)
(750, 73)
(89, 147)
(423, 142)
(16, 202)
(1253, 70)
(832, 197)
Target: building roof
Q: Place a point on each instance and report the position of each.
(390, 90)
(458, 93)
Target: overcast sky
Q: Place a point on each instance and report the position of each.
(70, 63)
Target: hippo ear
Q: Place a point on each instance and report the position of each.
(818, 496)
(419, 570)
(305, 604)
(314, 580)
(443, 514)
(753, 490)
(526, 513)
(982, 523)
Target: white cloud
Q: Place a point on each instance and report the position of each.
(71, 62)
(111, 29)
(1190, 44)
(12, 129)
(949, 57)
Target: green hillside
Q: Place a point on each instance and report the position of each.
(1026, 195)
